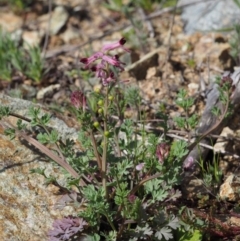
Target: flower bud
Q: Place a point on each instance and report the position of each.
(110, 97)
(106, 133)
(131, 198)
(140, 166)
(100, 103)
(96, 124)
(97, 89)
(162, 151)
(100, 111)
(78, 99)
(188, 163)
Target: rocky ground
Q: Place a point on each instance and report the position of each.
(163, 60)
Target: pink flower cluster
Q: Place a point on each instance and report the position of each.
(102, 67)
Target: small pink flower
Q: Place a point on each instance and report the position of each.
(91, 59)
(112, 61)
(106, 81)
(188, 163)
(162, 151)
(78, 99)
(131, 198)
(119, 44)
(140, 166)
(101, 73)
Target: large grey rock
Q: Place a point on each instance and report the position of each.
(209, 15)
(21, 107)
(27, 206)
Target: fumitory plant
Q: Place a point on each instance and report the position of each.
(128, 189)
(126, 177)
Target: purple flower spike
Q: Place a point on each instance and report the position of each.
(116, 45)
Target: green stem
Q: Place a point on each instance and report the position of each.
(105, 145)
(117, 144)
(110, 222)
(99, 160)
